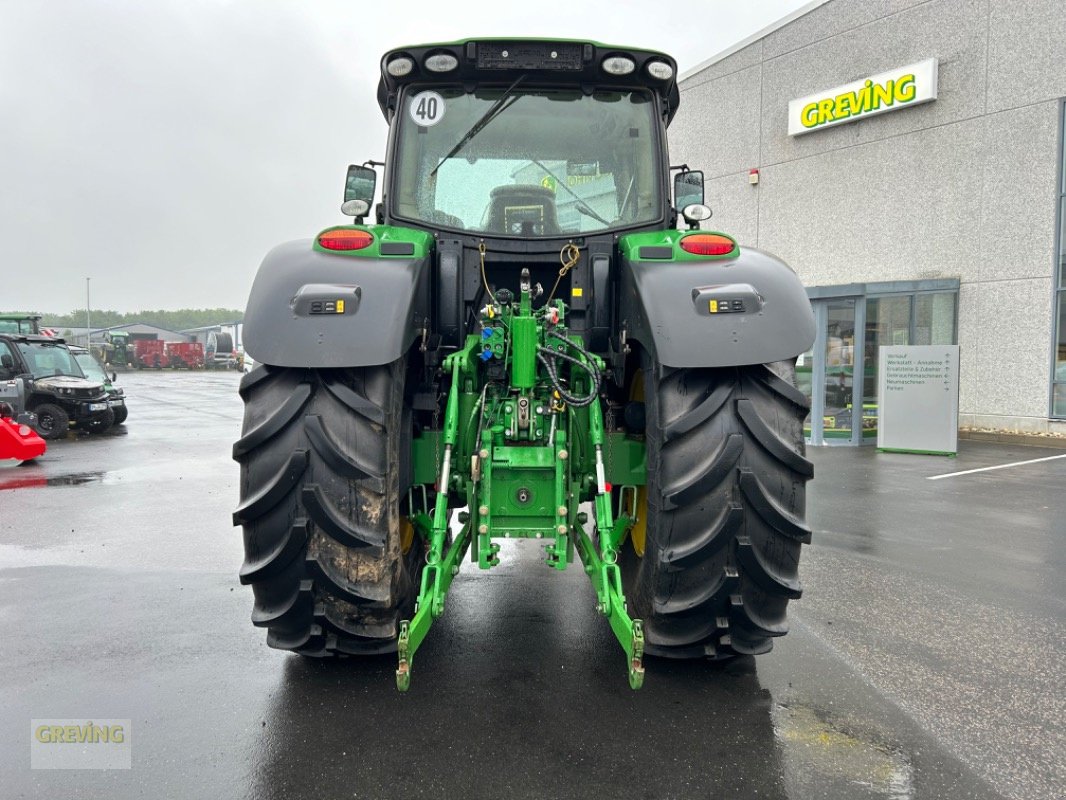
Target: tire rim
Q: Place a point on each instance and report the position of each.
(46, 422)
(407, 535)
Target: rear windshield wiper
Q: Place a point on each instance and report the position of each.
(494, 111)
(581, 205)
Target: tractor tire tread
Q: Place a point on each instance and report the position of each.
(726, 502)
(320, 508)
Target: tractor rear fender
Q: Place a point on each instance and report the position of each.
(310, 308)
(747, 309)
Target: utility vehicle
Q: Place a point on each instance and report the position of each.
(56, 389)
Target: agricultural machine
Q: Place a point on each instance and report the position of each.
(18, 439)
(118, 352)
(184, 355)
(149, 354)
(523, 345)
(20, 323)
(220, 352)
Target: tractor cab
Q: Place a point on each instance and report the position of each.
(20, 323)
(527, 140)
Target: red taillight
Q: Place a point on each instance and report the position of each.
(345, 239)
(707, 244)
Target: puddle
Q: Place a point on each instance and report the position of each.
(28, 481)
(819, 753)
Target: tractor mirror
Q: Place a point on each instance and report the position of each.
(359, 191)
(688, 189)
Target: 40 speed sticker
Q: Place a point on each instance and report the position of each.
(426, 108)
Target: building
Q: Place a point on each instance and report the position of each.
(136, 330)
(907, 160)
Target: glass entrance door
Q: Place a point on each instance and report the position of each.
(829, 375)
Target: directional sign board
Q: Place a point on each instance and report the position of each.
(918, 386)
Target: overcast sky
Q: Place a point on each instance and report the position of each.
(163, 147)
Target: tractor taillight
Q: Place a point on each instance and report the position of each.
(345, 239)
(707, 244)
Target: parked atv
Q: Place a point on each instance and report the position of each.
(94, 370)
(57, 390)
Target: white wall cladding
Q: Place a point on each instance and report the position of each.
(963, 187)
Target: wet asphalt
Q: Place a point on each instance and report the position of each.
(926, 657)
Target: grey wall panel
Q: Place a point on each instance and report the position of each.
(717, 127)
(906, 208)
(735, 204)
(735, 62)
(1014, 337)
(1026, 52)
(1020, 196)
(953, 31)
(832, 19)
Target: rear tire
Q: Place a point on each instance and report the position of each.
(52, 421)
(725, 510)
(320, 507)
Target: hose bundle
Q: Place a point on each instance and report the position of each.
(547, 358)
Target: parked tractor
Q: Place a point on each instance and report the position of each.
(523, 345)
(20, 323)
(118, 353)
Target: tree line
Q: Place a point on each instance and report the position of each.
(171, 320)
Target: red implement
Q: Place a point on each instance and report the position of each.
(185, 355)
(19, 441)
(148, 353)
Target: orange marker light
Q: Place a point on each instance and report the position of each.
(345, 239)
(707, 244)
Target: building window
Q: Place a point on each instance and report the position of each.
(1058, 376)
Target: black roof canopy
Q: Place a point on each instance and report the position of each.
(545, 63)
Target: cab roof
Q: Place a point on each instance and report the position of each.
(546, 63)
(32, 338)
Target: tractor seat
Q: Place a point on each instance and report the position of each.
(522, 210)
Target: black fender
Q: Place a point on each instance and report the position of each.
(293, 318)
(675, 310)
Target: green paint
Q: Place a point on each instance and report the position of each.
(425, 456)
(523, 461)
(630, 245)
(625, 460)
(422, 241)
(524, 360)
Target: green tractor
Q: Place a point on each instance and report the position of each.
(524, 345)
(118, 353)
